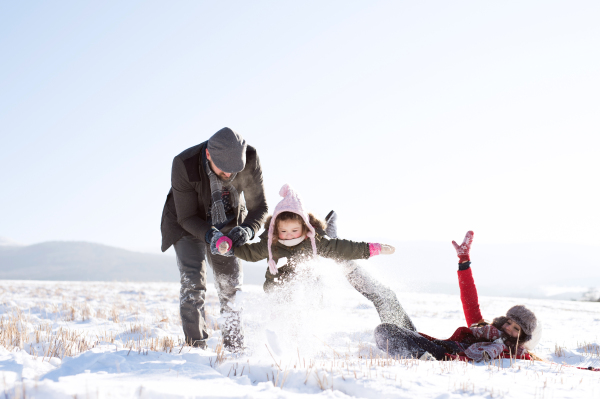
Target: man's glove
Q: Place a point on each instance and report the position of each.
(216, 237)
(463, 249)
(240, 235)
(209, 234)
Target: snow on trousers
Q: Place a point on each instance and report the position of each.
(385, 300)
(192, 254)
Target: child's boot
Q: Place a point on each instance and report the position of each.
(331, 229)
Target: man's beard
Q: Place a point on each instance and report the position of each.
(225, 178)
(221, 175)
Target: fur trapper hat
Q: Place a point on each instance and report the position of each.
(291, 202)
(523, 317)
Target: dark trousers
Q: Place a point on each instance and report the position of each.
(397, 334)
(192, 255)
(385, 300)
(398, 341)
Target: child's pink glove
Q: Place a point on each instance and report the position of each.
(380, 249)
(463, 249)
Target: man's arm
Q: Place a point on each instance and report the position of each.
(186, 202)
(254, 193)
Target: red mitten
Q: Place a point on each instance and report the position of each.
(463, 249)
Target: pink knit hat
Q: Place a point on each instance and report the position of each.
(290, 203)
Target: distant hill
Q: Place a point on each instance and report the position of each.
(537, 270)
(85, 261)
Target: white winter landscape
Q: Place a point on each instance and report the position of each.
(416, 121)
(123, 340)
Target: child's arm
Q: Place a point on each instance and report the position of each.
(350, 250)
(468, 291)
(248, 252)
(342, 249)
(252, 252)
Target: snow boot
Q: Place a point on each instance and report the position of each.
(428, 357)
(331, 229)
(199, 343)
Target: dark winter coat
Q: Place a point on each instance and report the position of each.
(185, 210)
(475, 340)
(337, 249)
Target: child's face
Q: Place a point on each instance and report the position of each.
(289, 229)
(511, 328)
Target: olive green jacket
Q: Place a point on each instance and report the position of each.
(336, 249)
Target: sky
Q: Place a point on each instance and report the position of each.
(413, 120)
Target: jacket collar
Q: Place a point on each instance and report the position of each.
(265, 234)
(293, 241)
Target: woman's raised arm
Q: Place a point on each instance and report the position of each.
(468, 291)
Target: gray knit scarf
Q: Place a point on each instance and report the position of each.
(216, 192)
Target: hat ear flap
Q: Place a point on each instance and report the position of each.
(271, 262)
(536, 337)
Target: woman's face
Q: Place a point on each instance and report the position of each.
(289, 229)
(511, 328)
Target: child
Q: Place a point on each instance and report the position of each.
(506, 335)
(292, 236)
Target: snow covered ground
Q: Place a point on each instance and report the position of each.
(122, 340)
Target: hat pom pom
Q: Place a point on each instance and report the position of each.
(284, 190)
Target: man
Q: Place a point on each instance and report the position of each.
(205, 201)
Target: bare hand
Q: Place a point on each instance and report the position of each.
(387, 249)
(223, 247)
